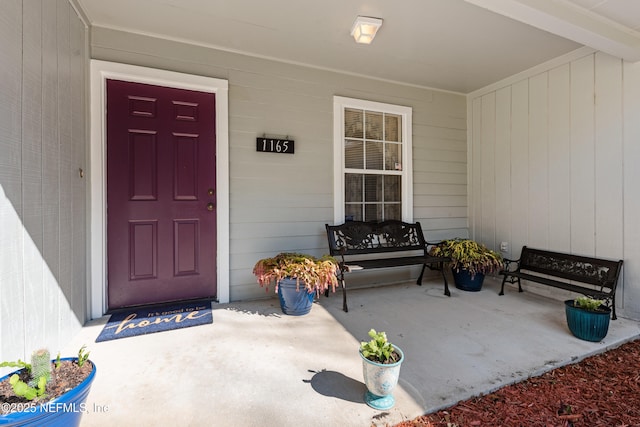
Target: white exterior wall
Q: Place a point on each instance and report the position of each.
(280, 202)
(553, 155)
(43, 287)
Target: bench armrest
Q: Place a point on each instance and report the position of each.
(342, 264)
(429, 245)
(508, 264)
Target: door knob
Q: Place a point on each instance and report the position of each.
(209, 206)
(210, 192)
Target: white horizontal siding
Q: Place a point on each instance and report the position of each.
(281, 202)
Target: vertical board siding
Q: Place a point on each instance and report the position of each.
(572, 133)
(50, 169)
(66, 157)
(42, 209)
(79, 120)
(503, 168)
(538, 204)
(608, 156)
(281, 202)
(487, 171)
(12, 328)
(631, 176)
(582, 157)
(559, 153)
(33, 264)
(519, 166)
(475, 167)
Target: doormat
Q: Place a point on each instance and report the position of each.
(151, 319)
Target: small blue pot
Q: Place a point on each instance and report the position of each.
(587, 325)
(462, 279)
(293, 301)
(64, 411)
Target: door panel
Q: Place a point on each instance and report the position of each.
(185, 167)
(161, 216)
(143, 165)
(187, 246)
(143, 250)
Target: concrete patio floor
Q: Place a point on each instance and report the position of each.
(255, 366)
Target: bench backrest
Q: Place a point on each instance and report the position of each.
(584, 269)
(359, 238)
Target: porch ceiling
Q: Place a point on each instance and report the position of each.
(457, 45)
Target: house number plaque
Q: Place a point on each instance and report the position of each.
(273, 145)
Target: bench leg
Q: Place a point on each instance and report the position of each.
(444, 277)
(440, 268)
(344, 297)
(344, 292)
(505, 279)
(419, 282)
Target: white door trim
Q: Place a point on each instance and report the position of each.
(100, 72)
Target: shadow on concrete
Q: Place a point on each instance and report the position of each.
(338, 385)
(256, 308)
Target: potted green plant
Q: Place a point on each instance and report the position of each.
(587, 318)
(381, 362)
(298, 278)
(46, 392)
(470, 261)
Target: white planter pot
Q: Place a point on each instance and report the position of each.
(380, 380)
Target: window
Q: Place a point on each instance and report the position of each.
(372, 157)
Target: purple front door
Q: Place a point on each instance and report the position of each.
(161, 214)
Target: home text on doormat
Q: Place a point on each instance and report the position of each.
(147, 320)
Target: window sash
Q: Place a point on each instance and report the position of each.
(391, 130)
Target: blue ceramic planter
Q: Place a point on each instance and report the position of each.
(294, 302)
(587, 325)
(463, 280)
(64, 411)
(380, 380)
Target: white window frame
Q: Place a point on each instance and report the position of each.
(339, 105)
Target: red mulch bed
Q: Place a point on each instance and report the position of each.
(602, 390)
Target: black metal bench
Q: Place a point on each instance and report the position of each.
(592, 277)
(388, 244)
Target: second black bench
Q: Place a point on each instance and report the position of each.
(593, 277)
(389, 244)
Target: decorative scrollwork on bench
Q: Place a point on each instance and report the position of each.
(594, 277)
(356, 236)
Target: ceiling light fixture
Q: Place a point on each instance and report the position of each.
(364, 29)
